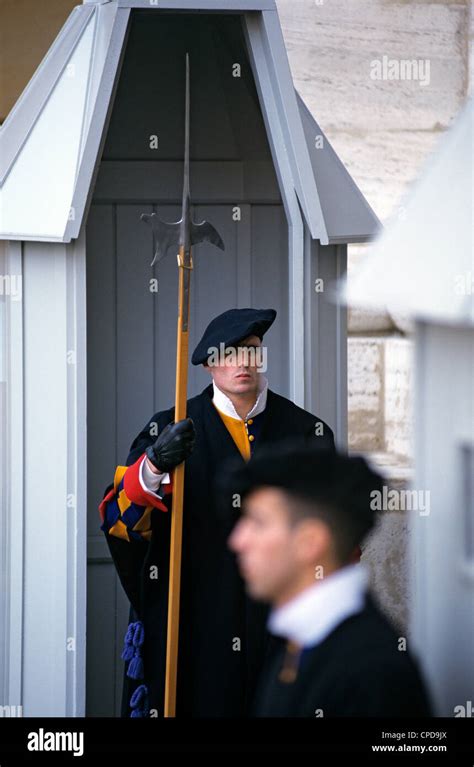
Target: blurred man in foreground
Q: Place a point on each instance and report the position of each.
(334, 652)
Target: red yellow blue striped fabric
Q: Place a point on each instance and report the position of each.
(126, 509)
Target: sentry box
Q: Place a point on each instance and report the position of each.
(96, 140)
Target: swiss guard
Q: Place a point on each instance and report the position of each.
(222, 631)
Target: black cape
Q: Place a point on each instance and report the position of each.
(223, 639)
(357, 670)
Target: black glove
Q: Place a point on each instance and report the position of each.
(172, 446)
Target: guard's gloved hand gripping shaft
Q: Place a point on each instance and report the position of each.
(172, 446)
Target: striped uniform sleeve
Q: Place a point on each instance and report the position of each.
(126, 509)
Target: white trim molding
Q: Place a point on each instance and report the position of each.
(11, 469)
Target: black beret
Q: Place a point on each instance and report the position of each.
(230, 327)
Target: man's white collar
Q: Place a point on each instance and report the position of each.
(312, 615)
(224, 404)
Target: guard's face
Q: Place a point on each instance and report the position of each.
(268, 546)
(237, 370)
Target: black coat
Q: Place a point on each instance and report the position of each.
(357, 670)
(215, 678)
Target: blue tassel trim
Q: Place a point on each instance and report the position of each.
(134, 639)
(139, 702)
(132, 648)
(135, 668)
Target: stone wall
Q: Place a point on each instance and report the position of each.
(27, 29)
(384, 131)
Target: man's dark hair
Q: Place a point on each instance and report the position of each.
(321, 484)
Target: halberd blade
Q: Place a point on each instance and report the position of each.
(205, 232)
(165, 233)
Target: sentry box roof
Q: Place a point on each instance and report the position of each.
(423, 264)
(51, 143)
